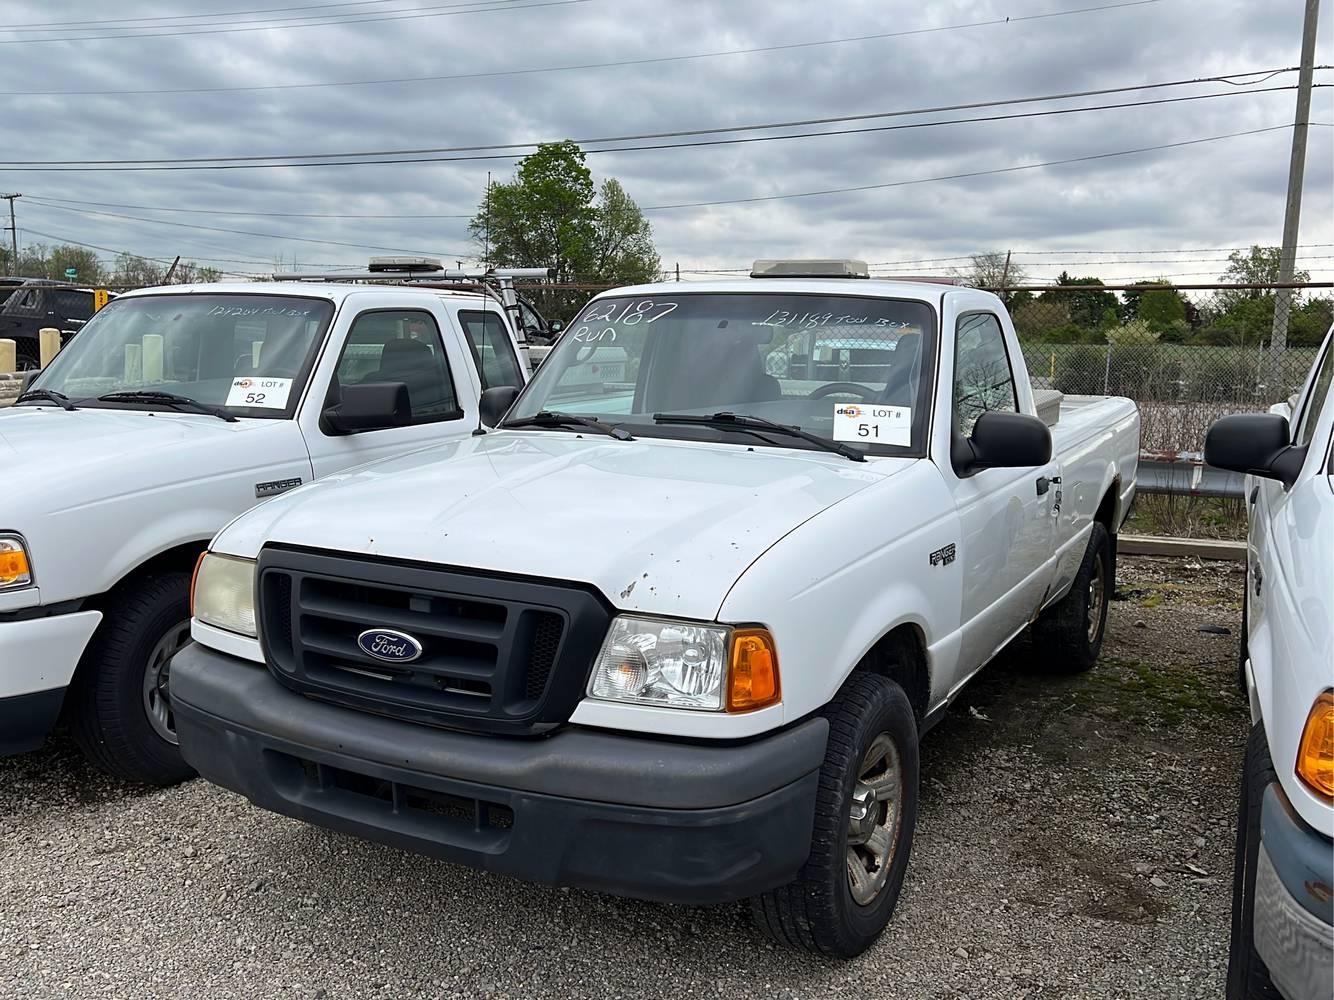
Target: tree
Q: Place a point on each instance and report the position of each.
(1256, 266)
(552, 215)
(1088, 309)
(993, 270)
(1161, 307)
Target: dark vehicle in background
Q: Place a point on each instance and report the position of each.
(33, 304)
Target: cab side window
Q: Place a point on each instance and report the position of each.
(982, 377)
(491, 348)
(401, 345)
(1315, 405)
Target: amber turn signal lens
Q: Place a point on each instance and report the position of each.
(753, 680)
(1315, 753)
(194, 579)
(14, 567)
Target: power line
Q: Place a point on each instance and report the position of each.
(266, 22)
(273, 236)
(319, 24)
(960, 176)
(603, 65)
(181, 17)
(116, 22)
(220, 211)
(716, 130)
(114, 167)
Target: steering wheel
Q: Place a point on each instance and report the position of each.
(852, 388)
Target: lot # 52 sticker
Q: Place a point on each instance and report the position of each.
(868, 424)
(266, 393)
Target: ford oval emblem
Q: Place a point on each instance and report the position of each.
(389, 645)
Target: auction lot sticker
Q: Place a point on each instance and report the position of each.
(267, 393)
(869, 424)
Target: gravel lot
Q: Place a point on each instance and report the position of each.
(1075, 840)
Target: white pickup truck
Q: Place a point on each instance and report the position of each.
(1283, 884)
(173, 411)
(702, 672)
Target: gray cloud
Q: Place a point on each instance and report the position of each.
(1228, 193)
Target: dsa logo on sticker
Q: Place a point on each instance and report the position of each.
(849, 411)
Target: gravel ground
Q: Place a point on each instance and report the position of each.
(1075, 840)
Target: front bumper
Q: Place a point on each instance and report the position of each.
(1294, 901)
(37, 660)
(671, 821)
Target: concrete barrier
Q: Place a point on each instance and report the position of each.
(8, 356)
(48, 344)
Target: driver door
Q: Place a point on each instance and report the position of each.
(377, 339)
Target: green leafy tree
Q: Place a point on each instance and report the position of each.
(1088, 306)
(553, 215)
(1256, 266)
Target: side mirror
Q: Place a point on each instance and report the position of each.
(1258, 444)
(495, 402)
(370, 407)
(1002, 441)
(27, 378)
(556, 326)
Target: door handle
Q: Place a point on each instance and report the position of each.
(1255, 495)
(1044, 484)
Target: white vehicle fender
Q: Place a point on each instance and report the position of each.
(829, 591)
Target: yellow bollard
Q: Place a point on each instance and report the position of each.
(9, 356)
(48, 344)
(152, 358)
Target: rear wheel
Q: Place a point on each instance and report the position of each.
(1068, 635)
(1247, 975)
(122, 711)
(865, 812)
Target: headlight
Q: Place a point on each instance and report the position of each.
(673, 664)
(1315, 753)
(15, 569)
(224, 593)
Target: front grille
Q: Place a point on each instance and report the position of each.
(497, 654)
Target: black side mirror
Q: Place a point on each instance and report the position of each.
(495, 402)
(1258, 444)
(1002, 441)
(370, 407)
(27, 378)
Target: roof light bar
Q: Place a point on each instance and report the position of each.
(810, 269)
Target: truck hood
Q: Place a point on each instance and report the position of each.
(55, 460)
(664, 527)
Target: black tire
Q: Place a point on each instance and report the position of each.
(109, 719)
(1247, 975)
(1067, 637)
(817, 911)
(27, 359)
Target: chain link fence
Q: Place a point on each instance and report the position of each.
(1186, 354)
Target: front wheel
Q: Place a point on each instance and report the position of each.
(1247, 974)
(865, 811)
(1068, 635)
(122, 710)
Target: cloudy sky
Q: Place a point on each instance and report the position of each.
(267, 78)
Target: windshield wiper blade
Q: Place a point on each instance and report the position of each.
(49, 395)
(744, 422)
(169, 398)
(550, 418)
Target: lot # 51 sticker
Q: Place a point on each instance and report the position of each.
(266, 393)
(868, 424)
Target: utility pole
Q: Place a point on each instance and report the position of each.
(13, 233)
(1278, 341)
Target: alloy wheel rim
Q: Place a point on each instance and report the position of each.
(1095, 608)
(874, 818)
(157, 681)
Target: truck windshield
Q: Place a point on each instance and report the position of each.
(850, 369)
(248, 353)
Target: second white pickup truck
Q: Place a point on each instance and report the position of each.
(769, 554)
(176, 409)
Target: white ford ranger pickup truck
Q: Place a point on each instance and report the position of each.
(674, 636)
(174, 410)
(1283, 881)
